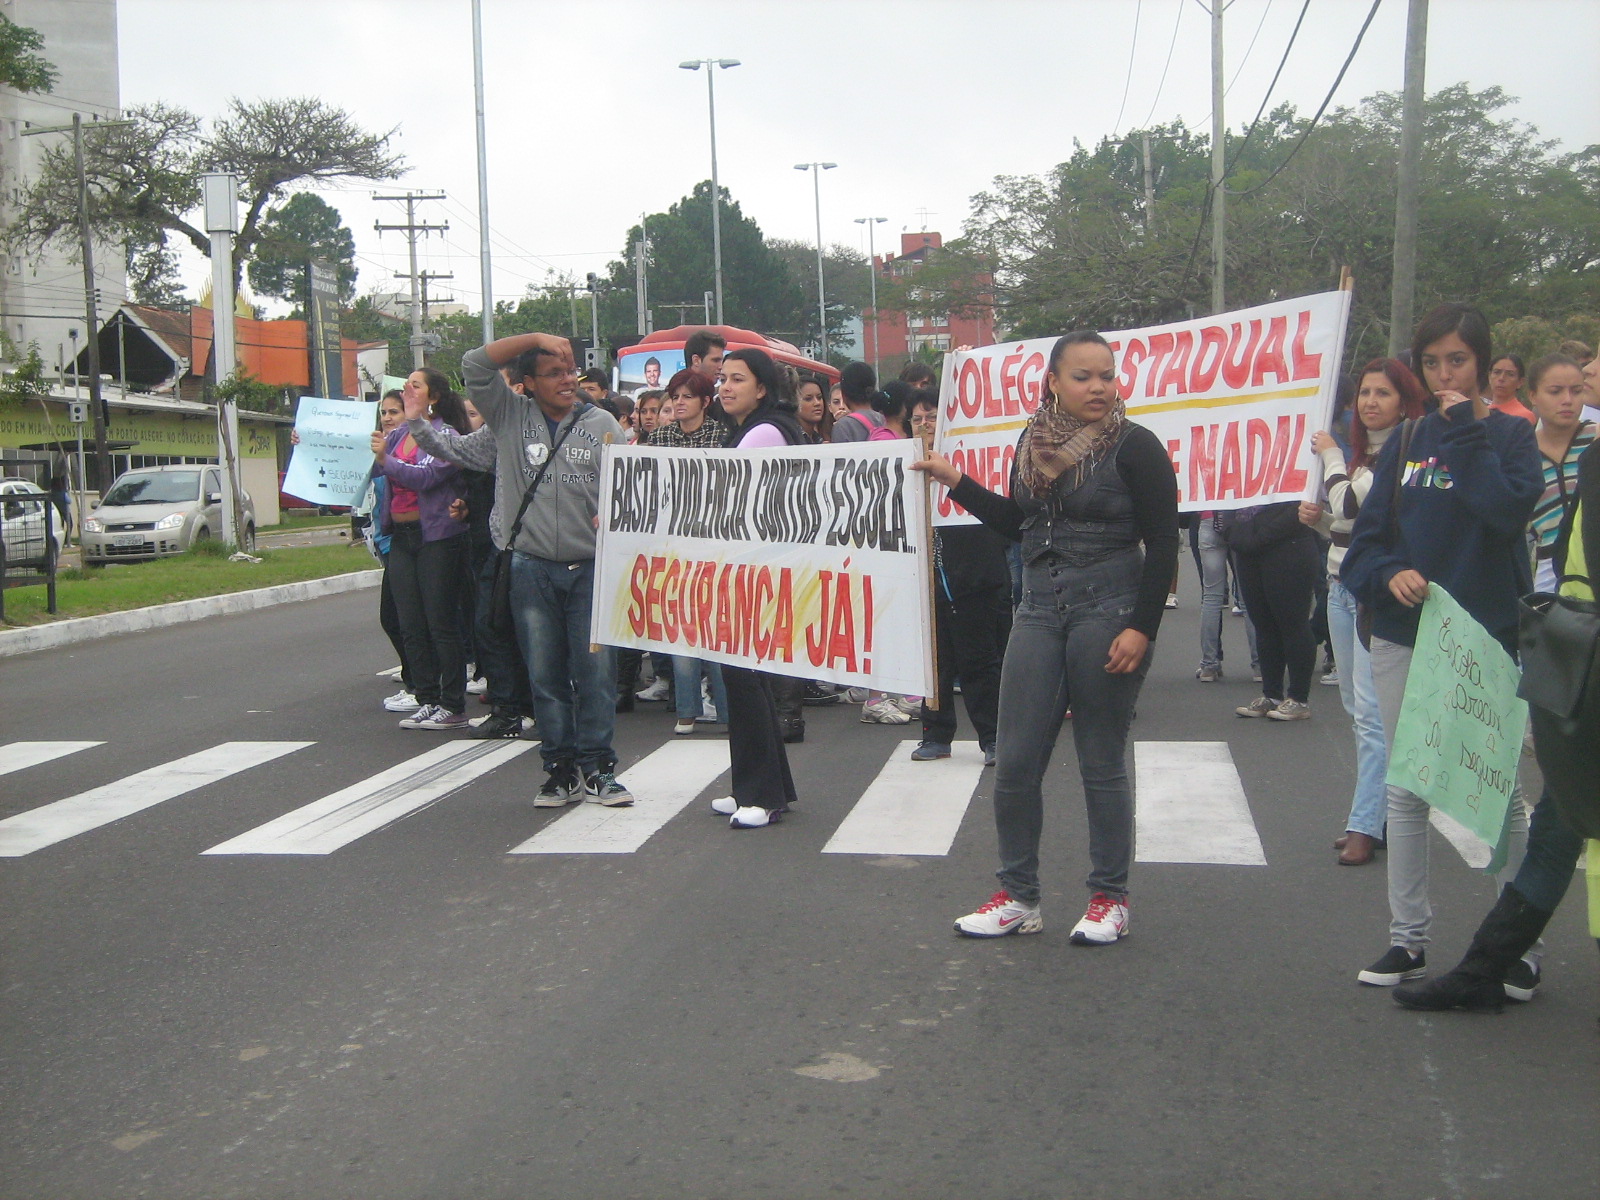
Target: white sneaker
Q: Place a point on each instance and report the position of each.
(724, 806)
(910, 705)
(477, 687)
(752, 817)
(684, 725)
(883, 712)
(1172, 599)
(1000, 915)
(1104, 922)
(659, 690)
(527, 725)
(708, 712)
(392, 673)
(401, 701)
(857, 695)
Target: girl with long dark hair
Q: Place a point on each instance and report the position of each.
(427, 555)
(1094, 502)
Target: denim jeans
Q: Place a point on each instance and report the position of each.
(499, 659)
(1060, 639)
(1553, 850)
(686, 675)
(1211, 556)
(574, 688)
(1370, 804)
(426, 579)
(1410, 914)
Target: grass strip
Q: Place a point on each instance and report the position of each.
(88, 592)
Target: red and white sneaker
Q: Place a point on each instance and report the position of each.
(1105, 921)
(999, 916)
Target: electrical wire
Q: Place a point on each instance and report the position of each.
(1267, 97)
(1176, 25)
(1133, 45)
(1247, 50)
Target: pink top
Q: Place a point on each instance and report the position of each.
(402, 499)
(762, 437)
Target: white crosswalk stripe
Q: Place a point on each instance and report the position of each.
(1191, 806)
(20, 755)
(664, 784)
(912, 808)
(336, 820)
(41, 827)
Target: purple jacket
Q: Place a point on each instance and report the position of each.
(436, 483)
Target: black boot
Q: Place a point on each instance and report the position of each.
(1477, 983)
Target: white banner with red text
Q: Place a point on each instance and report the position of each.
(1234, 397)
(811, 561)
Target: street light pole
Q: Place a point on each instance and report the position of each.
(716, 187)
(872, 277)
(816, 169)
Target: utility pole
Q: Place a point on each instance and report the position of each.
(1149, 184)
(1219, 164)
(102, 451)
(872, 277)
(712, 65)
(640, 282)
(221, 196)
(483, 174)
(1403, 293)
(816, 169)
(422, 278)
(411, 229)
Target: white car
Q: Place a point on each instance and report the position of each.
(153, 512)
(22, 506)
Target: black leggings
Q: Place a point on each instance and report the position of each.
(755, 741)
(1278, 583)
(426, 579)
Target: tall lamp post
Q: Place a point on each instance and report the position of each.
(872, 276)
(816, 169)
(716, 190)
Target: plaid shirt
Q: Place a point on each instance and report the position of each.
(712, 435)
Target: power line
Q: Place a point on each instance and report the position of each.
(1133, 45)
(1240, 69)
(1267, 97)
(1176, 25)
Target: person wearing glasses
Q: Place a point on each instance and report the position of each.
(551, 428)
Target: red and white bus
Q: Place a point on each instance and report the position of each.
(659, 356)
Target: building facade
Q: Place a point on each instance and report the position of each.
(893, 338)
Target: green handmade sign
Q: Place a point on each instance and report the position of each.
(1460, 734)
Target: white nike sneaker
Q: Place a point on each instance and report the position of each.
(1104, 922)
(1001, 915)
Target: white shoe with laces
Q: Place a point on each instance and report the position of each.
(401, 701)
(724, 806)
(883, 712)
(1000, 915)
(1105, 921)
(659, 690)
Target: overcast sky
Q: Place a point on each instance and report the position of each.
(921, 103)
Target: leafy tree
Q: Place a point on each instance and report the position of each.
(21, 65)
(304, 227)
(153, 276)
(248, 392)
(144, 178)
(848, 289)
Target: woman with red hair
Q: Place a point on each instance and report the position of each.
(1387, 395)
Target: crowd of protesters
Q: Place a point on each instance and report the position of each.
(1445, 465)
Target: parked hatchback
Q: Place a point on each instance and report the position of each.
(22, 509)
(156, 511)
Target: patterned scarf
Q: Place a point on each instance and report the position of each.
(1056, 445)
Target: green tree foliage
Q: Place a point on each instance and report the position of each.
(1533, 337)
(144, 178)
(21, 65)
(247, 391)
(1505, 222)
(302, 228)
(847, 290)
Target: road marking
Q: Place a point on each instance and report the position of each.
(1474, 850)
(912, 807)
(663, 784)
(336, 820)
(1191, 806)
(41, 827)
(19, 755)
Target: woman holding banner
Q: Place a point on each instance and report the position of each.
(1387, 394)
(763, 788)
(1450, 502)
(1094, 503)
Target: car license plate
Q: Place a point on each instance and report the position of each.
(128, 539)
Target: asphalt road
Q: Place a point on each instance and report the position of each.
(420, 1013)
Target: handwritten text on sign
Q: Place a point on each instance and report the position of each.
(1235, 398)
(809, 561)
(1459, 740)
(333, 460)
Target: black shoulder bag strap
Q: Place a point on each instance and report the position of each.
(500, 594)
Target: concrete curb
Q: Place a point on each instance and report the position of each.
(83, 629)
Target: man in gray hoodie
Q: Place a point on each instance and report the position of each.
(552, 574)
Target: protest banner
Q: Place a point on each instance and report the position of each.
(811, 561)
(1459, 740)
(1234, 397)
(334, 458)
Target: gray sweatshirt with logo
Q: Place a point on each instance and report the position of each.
(559, 524)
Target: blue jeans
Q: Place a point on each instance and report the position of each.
(574, 688)
(686, 673)
(1370, 804)
(1056, 658)
(1211, 556)
(1551, 858)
